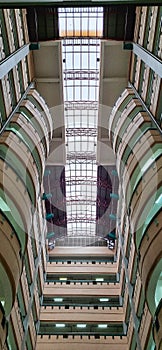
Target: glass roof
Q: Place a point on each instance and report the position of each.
(80, 29)
(81, 22)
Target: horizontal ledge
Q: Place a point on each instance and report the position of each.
(47, 80)
(114, 79)
(149, 59)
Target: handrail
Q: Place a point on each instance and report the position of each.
(31, 85)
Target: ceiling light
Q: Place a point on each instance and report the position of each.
(58, 299)
(60, 325)
(102, 325)
(104, 299)
(81, 325)
(63, 279)
(99, 279)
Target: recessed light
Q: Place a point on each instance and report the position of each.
(104, 299)
(102, 325)
(81, 325)
(99, 279)
(58, 299)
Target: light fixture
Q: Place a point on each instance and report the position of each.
(99, 279)
(57, 300)
(102, 325)
(81, 325)
(60, 325)
(62, 278)
(104, 299)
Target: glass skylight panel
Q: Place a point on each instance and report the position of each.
(80, 22)
(80, 29)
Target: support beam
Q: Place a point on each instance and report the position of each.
(10, 62)
(147, 57)
(114, 80)
(47, 80)
(65, 3)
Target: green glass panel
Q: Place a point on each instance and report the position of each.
(126, 123)
(21, 80)
(12, 89)
(147, 26)
(141, 77)
(135, 139)
(154, 289)
(14, 218)
(149, 89)
(20, 169)
(35, 102)
(11, 340)
(120, 110)
(158, 290)
(14, 28)
(35, 123)
(15, 128)
(149, 212)
(6, 291)
(157, 36)
(21, 303)
(145, 163)
(5, 36)
(2, 107)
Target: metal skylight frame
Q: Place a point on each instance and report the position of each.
(81, 29)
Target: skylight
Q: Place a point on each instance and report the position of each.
(80, 29)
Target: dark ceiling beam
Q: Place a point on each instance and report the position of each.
(64, 3)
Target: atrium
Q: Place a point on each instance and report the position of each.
(81, 171)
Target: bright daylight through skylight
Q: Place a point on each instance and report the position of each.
(81, 29)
